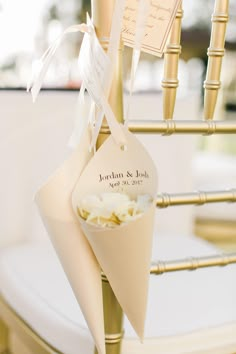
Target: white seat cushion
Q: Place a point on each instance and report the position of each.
(185, 309)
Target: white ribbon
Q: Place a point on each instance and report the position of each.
(35, 83)
(142, 17)
(96, 70)
(79, 124)
(96, 67)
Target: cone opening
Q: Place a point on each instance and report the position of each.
(111, 210)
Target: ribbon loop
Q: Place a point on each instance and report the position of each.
(35, 83)
(96, 69)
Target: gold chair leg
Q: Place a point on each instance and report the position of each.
(3, 337)
(17, 345)
(18, 333)
(102, 11)
(113, 317)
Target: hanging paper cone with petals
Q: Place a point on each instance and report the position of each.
(72, 247)
(114, 200)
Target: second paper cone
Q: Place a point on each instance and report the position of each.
(72, 247)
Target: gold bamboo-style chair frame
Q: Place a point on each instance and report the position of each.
(102, 15)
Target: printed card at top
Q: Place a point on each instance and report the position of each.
(158, 25)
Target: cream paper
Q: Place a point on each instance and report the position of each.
(123, 252)
(72, 247)
(158, 25)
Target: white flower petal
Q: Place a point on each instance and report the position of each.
(112, 209)
(90, 202)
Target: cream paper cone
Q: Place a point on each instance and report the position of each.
(124, 252)
(72, 247)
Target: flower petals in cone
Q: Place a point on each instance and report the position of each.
(124, 252)
(72, 247)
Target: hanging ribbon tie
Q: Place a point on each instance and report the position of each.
(36, 81)
(97, 75)
(96, 71)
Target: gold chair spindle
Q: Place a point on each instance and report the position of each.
(215, 53)
(4, 334)
(171, 126)
(170, 81)
(166, 200)
(192, 263)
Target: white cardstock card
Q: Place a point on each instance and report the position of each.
(158, 25)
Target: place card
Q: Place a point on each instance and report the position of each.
(157, 28)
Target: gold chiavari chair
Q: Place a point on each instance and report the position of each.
(27, 330)
(102, 13)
